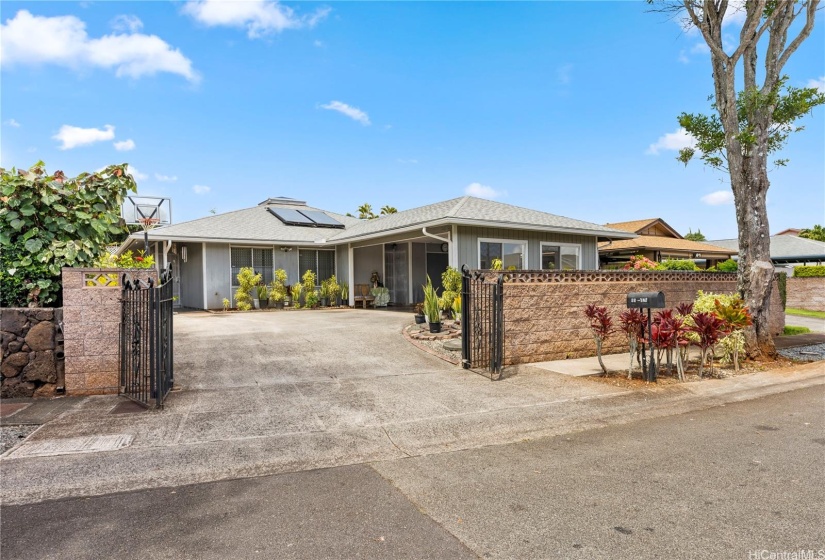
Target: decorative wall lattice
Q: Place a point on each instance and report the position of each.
(100, 280)
(549, 277)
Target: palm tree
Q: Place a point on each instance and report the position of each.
(365, 212)
(388, 210)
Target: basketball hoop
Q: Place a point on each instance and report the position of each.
(148, 224)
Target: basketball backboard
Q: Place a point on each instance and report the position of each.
(136, 209)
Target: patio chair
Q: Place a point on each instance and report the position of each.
(362, 294)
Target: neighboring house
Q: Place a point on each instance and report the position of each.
(789, 231)
(786, 250)
(657, 241)
(403, 248)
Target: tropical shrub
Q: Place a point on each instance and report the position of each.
(451, 281)
(331, 289)
(431, 307)
(226, 304)
(677, 264)
(736, 318)
(297, 289)
(311, 298)
(308, 280)
(709, 329)
(809, 271)
(125, 260)
(51, 221)
(601, 325)
(640, 262)
(496, 264)
(729, 265)
(278, 288)
(633, 322)
(247, 281)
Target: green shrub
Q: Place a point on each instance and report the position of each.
(677, 264)
(791, 330)
(729, 265)
(126, 260)
(809, 271)
(278, 288)
(247, 281)
(451, 281)
(51, 221)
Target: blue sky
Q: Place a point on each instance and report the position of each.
(566, 107)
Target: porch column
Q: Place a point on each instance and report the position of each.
(453, 247)
(351, 272)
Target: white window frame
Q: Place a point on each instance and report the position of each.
(577, 246)
(525, 245)
(232, 285)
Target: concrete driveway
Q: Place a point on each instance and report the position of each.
(265, 393)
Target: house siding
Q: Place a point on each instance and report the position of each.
(218, 273)
(191, 277)
(342, 264)
(468, 245)
(367, 260)
(288, 261)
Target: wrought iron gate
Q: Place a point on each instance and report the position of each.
(482, 322)
(146, 352)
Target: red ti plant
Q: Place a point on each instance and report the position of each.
(683, 310)
(710, 329)
(633, 322)
(602, 325)
(736, 317)
(665, 333)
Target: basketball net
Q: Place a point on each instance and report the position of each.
(148, 224)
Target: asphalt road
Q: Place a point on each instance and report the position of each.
(717, 483)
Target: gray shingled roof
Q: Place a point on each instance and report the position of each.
(258, 225)
(784, 247)
(250, 224)
(471, 210)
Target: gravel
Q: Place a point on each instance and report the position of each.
(11, 436)
(811, 353)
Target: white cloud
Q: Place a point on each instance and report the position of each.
(672, 141)
(63, 41)
(166, 178)
(258, 17)
(74, 136)
(483, 191)
(817, 83)
(563, 74)
(126, 23)
(201, 189)
(13, 123)
(136, 175)
(352, 112)
(125, 145)
(718, 198)
(683, 58)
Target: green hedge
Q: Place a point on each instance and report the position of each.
(809, 271)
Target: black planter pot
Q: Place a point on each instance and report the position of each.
(435, 328)
(324, 302)
(279, 305)
(419, 319)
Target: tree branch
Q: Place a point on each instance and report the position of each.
(803, 34)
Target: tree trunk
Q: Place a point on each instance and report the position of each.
(756, 272)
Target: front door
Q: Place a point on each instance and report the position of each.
(397, 272)
(437, 263)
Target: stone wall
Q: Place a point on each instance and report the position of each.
(543, 318)
(91, 317)
(806, 293)
(29, 366)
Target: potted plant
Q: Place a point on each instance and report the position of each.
(345, 294)
(278, 289)
(420, 319)
(297, 288)
(311, 295)
(311, 299)
(247, 283)
(263, 296)
(333, 288)
(431, 309)
(226, 304)
(457, 308)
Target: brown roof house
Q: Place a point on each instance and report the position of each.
(658, 241)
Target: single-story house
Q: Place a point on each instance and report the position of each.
(402, 248)
(657, 241)
(786, 250)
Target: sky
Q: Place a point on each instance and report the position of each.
(566, 107)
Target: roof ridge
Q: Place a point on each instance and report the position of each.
(458, 206)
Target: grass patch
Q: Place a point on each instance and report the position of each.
(805, 313)
(790, 330)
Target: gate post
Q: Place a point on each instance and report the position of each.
(466, 309)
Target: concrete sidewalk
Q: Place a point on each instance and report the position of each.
(199, 439)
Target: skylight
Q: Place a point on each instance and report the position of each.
(305, 218)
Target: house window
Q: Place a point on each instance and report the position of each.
(260, 260)
(321, 262)
(560, 257)
(513, 254)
